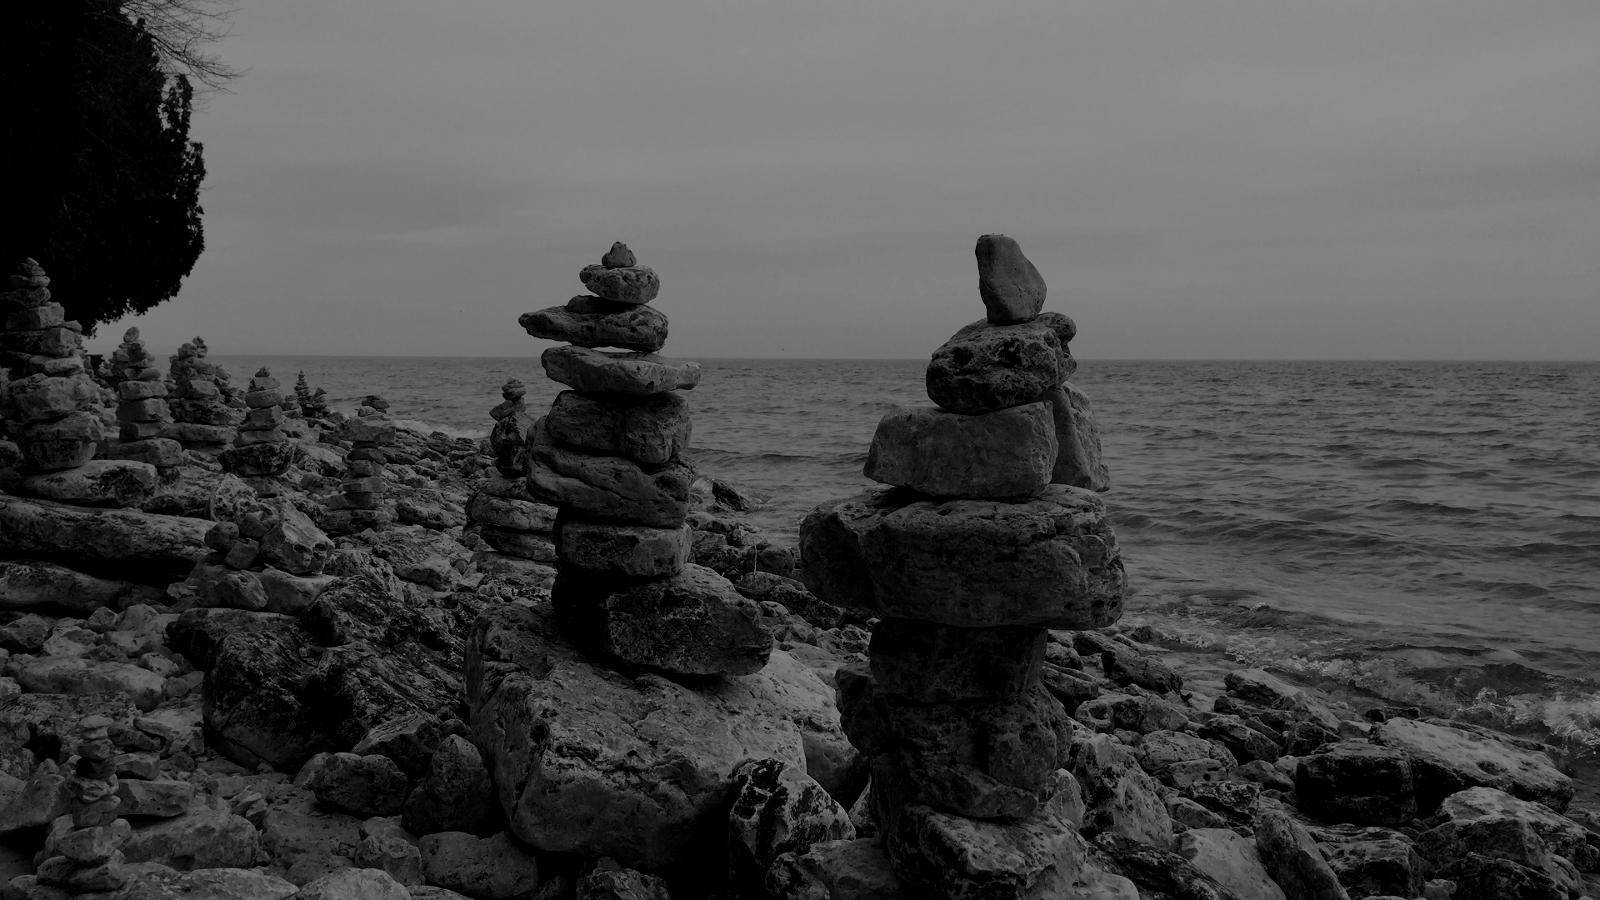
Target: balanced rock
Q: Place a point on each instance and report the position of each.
(608, 487)
(508, 440)
(635, 284)
(929, 663)
(1008, 453)
(594, 322)
(1012, 289)
(994, 367)
(1079, 461)
(1050, 561)
(648, 430)
(597, 372)
(638, 551)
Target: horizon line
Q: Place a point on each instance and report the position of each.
(1115, 359)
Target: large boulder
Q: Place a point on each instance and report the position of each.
(1008, 453)
(1051, 560)
(53, 588)
(98, 482)
(1446, 759)
(1357, 782)
(133, 546)
(595, 322)
(588, 760)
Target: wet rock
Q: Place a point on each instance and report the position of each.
(1357, 782)
(1447, 759)
(1293, 860)
(1050, 561)
(1163, 753)
(1563, 836)
(1008, 453)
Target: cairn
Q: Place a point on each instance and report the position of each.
(311, 404)
(82, 853)
(608, 455)
(266, 555)
(360, 504)
(261, 449)
(143, 415)
(981, 543)
(50, 401)
(202, 413)
(373, 405)
(501, 510)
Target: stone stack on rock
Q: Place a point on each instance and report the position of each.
(373, 405)
(261, 449)
(360, 504)
(83, 850)
(203, 418)
(974, 550)
(608, 455)
(311, 404)
(142, 412)
(50, 400)
(501, 510)
(267, 556)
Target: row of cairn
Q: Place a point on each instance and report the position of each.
(985, 538)
(50, 405)
(609, 456)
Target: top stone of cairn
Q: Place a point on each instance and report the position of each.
(1011, 288)
(620, 279)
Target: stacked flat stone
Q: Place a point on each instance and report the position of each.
(373, 405)
(609, 457)
(501, 510)
(203, 417)
(82, 853)
(360, 504)
(261, 449)
(975, 549)
(50, 400)
(268, 556)
(311, 404)
(143, 415)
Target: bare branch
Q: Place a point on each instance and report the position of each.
(182, 31)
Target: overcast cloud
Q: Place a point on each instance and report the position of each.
(1276, 179)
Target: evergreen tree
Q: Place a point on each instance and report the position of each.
(104, 182)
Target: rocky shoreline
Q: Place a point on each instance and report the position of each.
(251, 648)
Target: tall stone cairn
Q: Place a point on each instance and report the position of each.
(202, 415)
(143, 415)
(360, 504)
(501, 510)
(50, 400)
(82, 852)
(985, 538)
(261, 449)
(608, 455)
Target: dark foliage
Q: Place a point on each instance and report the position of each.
(103, 181)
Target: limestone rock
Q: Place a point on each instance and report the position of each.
(199, 839)
(625, 284)
(648, 430)
(608, 487)
(354, 884)
(1122, 799)
(930, 663)
(778, 808)
(1051, 561)
(1446, 759)
(1373, 861)
(597, 372)
(1356, 781)
(593, 322)
(53, 588)
(630, 550)
(1008, 453)
(985, 759)
(455, 795)
(618, 257)
(1562, 835)
(587, 760)
(836, 870)
(1292, 859)
(1079, 460)
(153, 881)
(982, 370)
(79, 676)
(1231, 860)
(494, 868)
(693, 623)
(1012, 289)
(360, 785)
(385, 845)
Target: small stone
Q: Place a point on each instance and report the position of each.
(633, 284)
(1008, 453)
(1012, 289)
(618, 257)
(361, 785)
(597, 372)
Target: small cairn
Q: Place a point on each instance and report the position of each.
(980, 544)
(501, 510)
(373, 405)
(311, 404)
(50, 400)
(142, 411)
(360, 504)
(609, 457)
(203, 417)
(266, 555)
(261, 449)
(82, 853)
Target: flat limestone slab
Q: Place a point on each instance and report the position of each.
(1051, 560)
(141, 547)
(1445, 759)
(608, 487)
(597, 372)
(594, 322)
(588, 760)
(98, 482)
(1009, 453)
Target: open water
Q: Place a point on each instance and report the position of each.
(1425, 532)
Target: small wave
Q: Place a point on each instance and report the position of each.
(421, 427)
(1389, 463)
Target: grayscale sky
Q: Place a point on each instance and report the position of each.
(1217, 179)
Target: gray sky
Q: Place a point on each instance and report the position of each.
(1275, 179)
